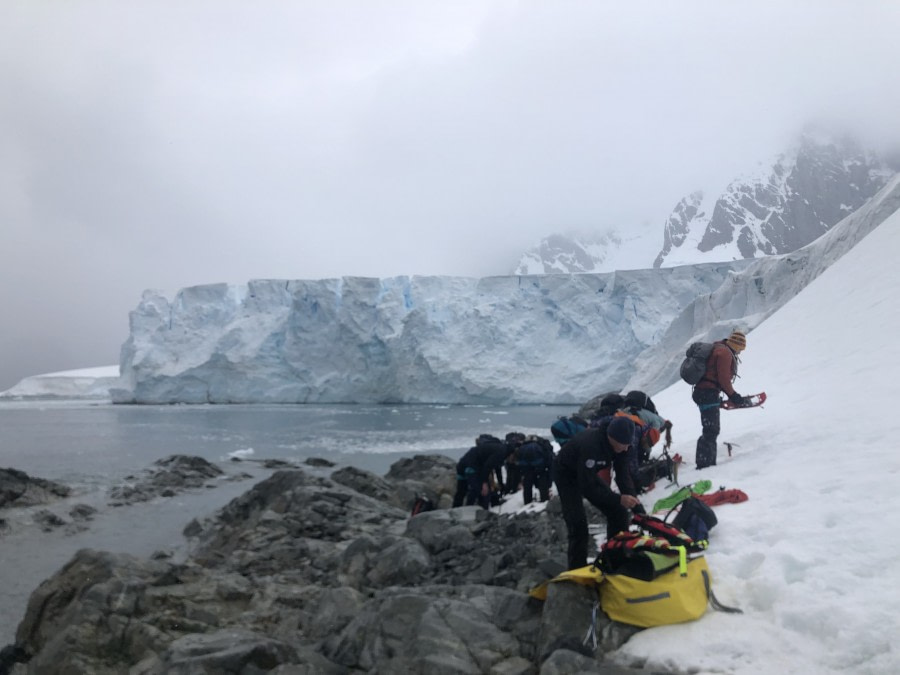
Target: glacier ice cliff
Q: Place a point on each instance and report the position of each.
(556, 339)
(493, 340)
(81, 384)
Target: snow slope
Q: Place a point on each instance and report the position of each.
(812, 557)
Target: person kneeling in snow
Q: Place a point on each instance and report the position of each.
(582, 471)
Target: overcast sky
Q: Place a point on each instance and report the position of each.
(162, 145)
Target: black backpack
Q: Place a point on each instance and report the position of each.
(608, 406)
(693, 368)
(546, 446)
(535, 452)
(487, 439)
(515, 438)
(530, 455)
(638, 400)
(651, 471)
(696, 518)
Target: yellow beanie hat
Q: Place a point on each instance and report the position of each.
(737, 341)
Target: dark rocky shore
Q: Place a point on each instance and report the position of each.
(308, 573)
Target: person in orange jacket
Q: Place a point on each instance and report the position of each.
(721, 371)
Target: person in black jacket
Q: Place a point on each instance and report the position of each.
(514, 439)
(535, 461)
(579, 466)
(473, 471)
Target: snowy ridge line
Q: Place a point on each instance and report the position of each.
(753, 294)
(784, 202)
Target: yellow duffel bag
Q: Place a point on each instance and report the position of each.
(672, 597)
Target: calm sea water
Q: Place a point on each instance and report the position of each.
(93, 447)
(98, 442)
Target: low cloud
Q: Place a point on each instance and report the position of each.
(160, 147)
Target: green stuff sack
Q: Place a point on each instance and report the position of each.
(669, 598)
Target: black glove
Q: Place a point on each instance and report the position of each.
(736, 398)
(639, 509)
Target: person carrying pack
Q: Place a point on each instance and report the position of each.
(534, 459)
(513, 475)
(638, 403)
(720, 371)
(564, 429)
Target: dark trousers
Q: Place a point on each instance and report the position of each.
(573, 512)
(468, 490)
(473, 495)
(462, 487)
(535, 478)
(708, 402)
(513, 478)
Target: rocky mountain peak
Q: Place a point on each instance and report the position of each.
(789, 202)
(800, 196)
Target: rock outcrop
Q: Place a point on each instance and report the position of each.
(167, 478)
(306, 574)
(17, 488)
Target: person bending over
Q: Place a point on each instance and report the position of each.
(583, 470)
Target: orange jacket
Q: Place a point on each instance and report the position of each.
(721, 369)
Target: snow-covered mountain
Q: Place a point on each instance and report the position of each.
(606, 251)
(805, 192)
(780, 207)
(756, 292)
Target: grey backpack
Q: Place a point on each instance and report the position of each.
(693, 368)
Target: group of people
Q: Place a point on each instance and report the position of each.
(582, 464)
(526, 460)
(615, 443)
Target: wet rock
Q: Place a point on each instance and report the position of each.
(82, 512)
(167, 478)
(48, 520)
(307, 574)
(319, 462)
(10, 655)
(367, 483)
(17, 488)
(278, 464)
(432, 476)
(403, 631)
(294, 523)
(225, 651)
